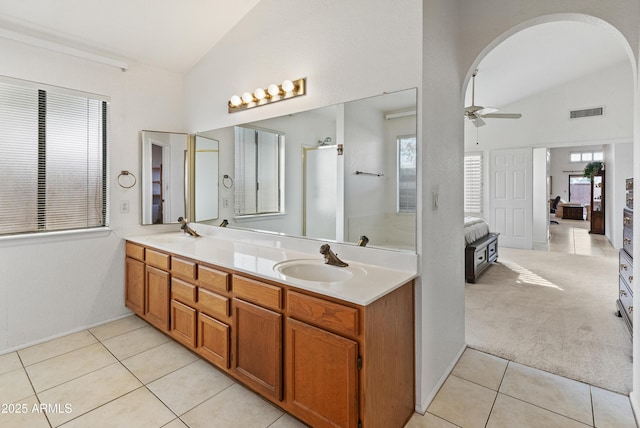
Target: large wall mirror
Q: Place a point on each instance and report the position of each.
(164, 165)
(350, 170)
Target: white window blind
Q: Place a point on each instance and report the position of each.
(52, 159)
(473, 183)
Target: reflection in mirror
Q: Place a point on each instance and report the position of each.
(204, 176)
(164, 156)
(326, 198)
(320, 181)
(259, 171)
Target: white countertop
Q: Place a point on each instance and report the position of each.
(368, 282)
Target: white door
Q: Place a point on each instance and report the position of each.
(510, 197)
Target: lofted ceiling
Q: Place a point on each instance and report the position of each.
(542, 57)
(175, 34)
(169, 34)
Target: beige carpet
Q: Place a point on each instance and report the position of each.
(555, 312)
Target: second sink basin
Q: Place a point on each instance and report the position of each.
(312, 270)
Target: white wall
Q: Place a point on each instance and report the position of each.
(540, 199)
(54, 285)
(619, 167)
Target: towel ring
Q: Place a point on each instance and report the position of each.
(227, 181)
(125, 173)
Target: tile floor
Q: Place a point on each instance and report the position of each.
(124, 374)
(487, 391)
(127, 374)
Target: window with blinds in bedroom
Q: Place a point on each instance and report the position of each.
(473, 183)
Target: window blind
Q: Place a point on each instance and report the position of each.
(52, 159)
(473, 183)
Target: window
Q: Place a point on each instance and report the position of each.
(259, 170)
(473, 183)
(407, 174)
(52, 159)
(586, 156)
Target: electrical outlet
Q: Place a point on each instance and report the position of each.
(225, 203)
(124, 206)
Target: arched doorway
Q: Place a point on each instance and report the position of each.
(538, 133)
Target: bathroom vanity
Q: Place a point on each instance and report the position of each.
(333, 348)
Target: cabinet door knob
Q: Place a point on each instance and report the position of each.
(630, 310)
(630, 278)
(627, 220)
(626, 240)
(623, 266)
(623, 293)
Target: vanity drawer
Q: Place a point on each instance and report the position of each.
(213, 304)
(158, 259)
(266, 295)
(134, 251)
(213, 279)
(183, 268)
(324, 314)
(626, 269)
(183, 291)
(626, 298)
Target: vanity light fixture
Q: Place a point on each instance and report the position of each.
(286, 90)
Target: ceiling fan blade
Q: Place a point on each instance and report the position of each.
(486, 110)
(502, 116)
(478, 122)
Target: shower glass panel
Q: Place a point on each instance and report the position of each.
(320, 184)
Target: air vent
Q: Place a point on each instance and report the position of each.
(588, 112)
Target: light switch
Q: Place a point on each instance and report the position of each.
(124, 206)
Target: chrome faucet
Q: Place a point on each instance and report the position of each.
(363, 241)
(330, 257)
(186, 228)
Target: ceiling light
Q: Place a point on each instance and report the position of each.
(288, 89)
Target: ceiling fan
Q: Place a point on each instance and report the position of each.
(477, 113)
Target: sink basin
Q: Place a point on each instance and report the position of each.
(312, 270)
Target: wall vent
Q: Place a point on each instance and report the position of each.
(587, 112)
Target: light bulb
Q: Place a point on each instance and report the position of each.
(273, 90)
(235, 101)
(287, 86)
(259, 93)
(247, 97)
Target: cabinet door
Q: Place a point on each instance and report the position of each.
(156, 308)
(134, 288)
(183, 324)
(257, 348)
(213, 340)
(321, 376)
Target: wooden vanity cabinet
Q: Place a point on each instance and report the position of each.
(326, 361)
(322, 367)
(257, 337)
(134, 278)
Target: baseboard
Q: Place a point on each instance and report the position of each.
(56, 336)
(422, 407)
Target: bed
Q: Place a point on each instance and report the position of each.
(481, 247)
